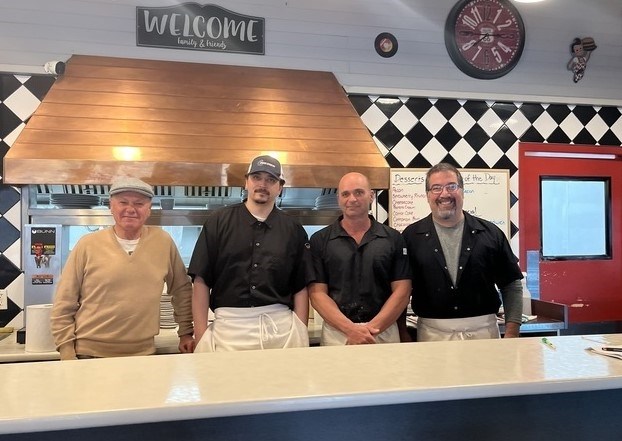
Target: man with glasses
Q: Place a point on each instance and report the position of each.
(362, 272)
(251, 265)
(459, 262)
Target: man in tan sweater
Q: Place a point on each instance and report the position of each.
(107, 303)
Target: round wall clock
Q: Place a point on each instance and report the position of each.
(484, 38)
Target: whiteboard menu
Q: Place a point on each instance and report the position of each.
(486, 195)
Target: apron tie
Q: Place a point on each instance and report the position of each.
(267, 324)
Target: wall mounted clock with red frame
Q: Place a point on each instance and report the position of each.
(484, 38)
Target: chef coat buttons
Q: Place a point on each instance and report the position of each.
(436, 250)
(455, 308)
(255, 265)
(253, 286)
(256, 244)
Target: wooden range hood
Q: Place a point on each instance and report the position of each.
(173, 123)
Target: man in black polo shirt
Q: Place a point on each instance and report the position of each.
(460, 263)
(251, 266)
(362, 272)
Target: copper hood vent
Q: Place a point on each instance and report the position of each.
(173, 123)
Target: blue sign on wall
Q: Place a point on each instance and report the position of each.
(199, 27)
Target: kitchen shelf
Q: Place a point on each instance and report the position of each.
(174, 217)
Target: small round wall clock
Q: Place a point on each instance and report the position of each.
(484, 38)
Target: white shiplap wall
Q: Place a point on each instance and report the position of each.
(338, 36)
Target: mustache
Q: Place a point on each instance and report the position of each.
(446, 199)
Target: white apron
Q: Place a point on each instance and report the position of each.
(262, 327)
(331, 336)
(468, 328)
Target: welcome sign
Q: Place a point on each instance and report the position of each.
(199, 27)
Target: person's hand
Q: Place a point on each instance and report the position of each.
(361, 334)
(68, 351)
(512, 330)
(186, 344)
(198, 333)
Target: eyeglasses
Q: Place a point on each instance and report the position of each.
(438, 189)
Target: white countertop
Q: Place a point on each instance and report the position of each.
(116, 391)
(11, 351)
(166, 342)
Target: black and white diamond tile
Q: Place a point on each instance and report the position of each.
(20, 95)
(409, 131)
(420, 132)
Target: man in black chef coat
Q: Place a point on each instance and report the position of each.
(362, 277)
(251, 266)
(458, 262)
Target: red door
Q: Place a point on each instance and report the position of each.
(591, 288)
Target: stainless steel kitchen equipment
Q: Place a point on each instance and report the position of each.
(44, 252)
(192, 206)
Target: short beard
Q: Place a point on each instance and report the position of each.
(260, 198)
(447, 214)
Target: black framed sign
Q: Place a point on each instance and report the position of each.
(199, 27)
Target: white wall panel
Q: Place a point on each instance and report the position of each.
(338, 36)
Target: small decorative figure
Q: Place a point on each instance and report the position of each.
(581, 49)
(38, 251)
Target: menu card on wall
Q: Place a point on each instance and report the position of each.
(486, 195)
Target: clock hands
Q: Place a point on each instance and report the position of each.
(485, 34)
(472, 43)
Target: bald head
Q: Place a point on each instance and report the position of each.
(355, 178)
(354, 196)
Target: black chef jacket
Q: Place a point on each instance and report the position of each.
(250, 263)
(359, 276)
(486, 260)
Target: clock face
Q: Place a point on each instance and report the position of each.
(484, 38)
